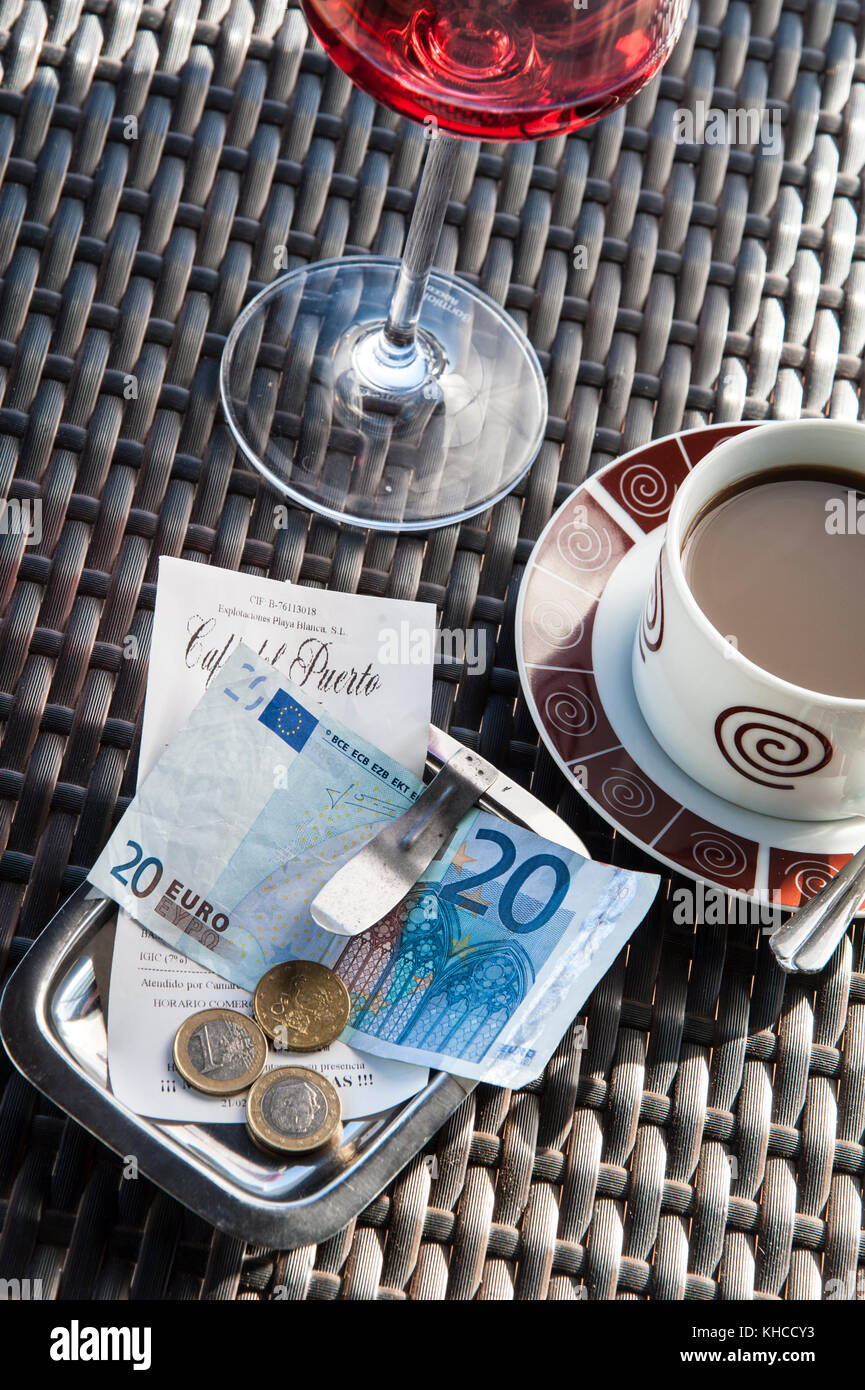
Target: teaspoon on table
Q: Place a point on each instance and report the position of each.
(806, 941)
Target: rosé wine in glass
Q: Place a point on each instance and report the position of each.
(498, 69)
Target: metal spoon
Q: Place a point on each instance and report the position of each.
(806, 941)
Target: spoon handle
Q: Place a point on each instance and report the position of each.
(808, 938)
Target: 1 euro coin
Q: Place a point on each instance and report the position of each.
(293, 1110)
(220, 1051)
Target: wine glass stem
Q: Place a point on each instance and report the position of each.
(399, 334)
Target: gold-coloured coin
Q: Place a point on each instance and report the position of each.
(301, 1005)
(220, 1051)
(293, 1110)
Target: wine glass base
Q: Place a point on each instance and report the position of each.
(393, 445)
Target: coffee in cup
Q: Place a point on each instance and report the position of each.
(776, 567)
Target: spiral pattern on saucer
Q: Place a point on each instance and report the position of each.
(764, 745)
(646, 491)
(558, 622)
(571, 712)
(810, 877)
(626, 792)
(651, 632)
(717, 856)
(583, 546)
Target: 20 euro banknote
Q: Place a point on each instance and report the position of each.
(259, 799)
(481, 968)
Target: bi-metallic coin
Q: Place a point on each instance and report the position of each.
(220, 1051)
(293, 1110)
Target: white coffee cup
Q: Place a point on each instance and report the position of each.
(744, 733)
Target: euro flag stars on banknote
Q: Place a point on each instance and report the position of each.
(259, 799)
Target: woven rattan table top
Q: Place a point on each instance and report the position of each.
(151, 157)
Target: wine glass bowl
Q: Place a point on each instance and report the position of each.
(499, 69)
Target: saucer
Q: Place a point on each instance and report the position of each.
(577, 612)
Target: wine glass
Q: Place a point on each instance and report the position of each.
(386, 393)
